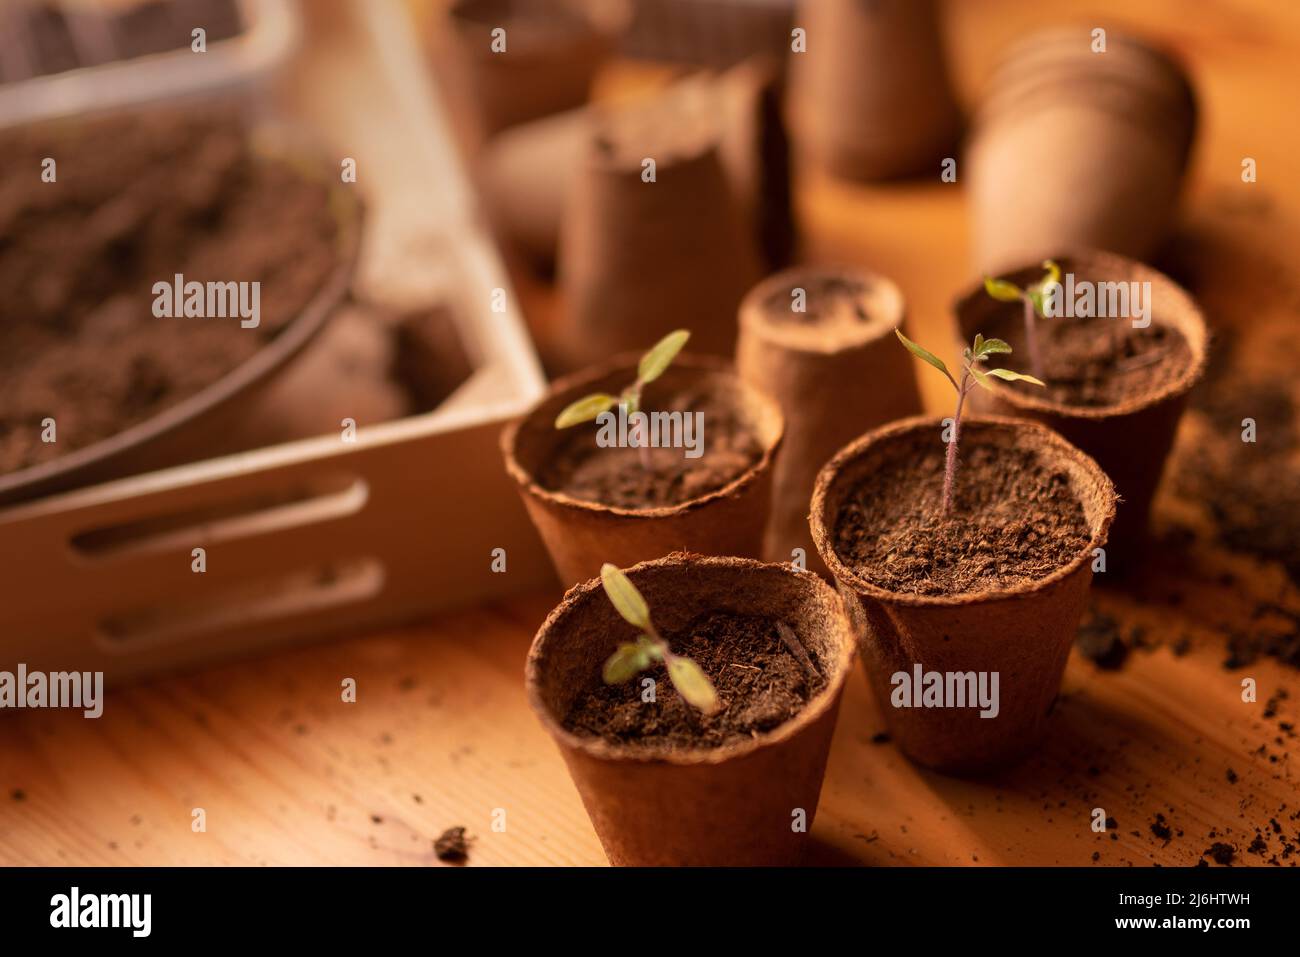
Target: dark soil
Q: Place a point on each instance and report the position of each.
(137, 200)
(621, 477)
(1094, 362)
(452, 846)
(830, 300)
(761, 685)
(1014, 520)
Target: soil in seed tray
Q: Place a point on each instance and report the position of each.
(137, 200)
(625, 478)
(1014, 520)
(1094, 362)
(761, 684)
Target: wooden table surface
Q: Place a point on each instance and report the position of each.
(440, 733)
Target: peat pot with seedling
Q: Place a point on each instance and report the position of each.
(693, 699)
(1118, 347)
(964, 551)
(643, 456)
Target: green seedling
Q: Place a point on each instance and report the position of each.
(652, 365)
(970, 377)
(1033, 298)
(633, 657)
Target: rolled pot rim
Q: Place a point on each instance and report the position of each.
(831, 471)
(602, 750)
(1109, 263)
(751, 396)
(753, 305)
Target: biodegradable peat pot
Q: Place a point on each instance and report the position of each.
(553, 49)
(1075, 149)
(834, 369)
(1021, 632)
(1128, 430)
(871, 96)
(582, 534)
(639, 259)
(528, 171)
(731, 804)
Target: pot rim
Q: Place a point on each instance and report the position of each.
(1107, 262)
(602, 750)
(831, 471)
(750, 396)
(752, 307)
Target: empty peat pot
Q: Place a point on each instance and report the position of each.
(528, 171)
(1073, 148)
(1115, 390)
(523, 59)
(871, 96)
(987, 600)
(593, 504)
(820, 340)
(654, 237)
(659, 802)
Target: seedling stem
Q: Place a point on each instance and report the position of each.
(970, 377)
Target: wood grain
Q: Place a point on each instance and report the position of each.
(441, 735)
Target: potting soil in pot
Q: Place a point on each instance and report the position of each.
(761, 681)
(137, 200)
(830, 302)
(1093, 362)
(1014, 519)
(625, 477)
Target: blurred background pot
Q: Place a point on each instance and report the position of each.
(582, 535)
(552, 50)
(1024, 633)
(871, 96)
(528, 171)
(834, 370)
(1074, 149)
(641, 258)
(731, 805)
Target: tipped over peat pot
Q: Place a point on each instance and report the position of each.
(996, 589)
(820, 340)
(1115, 391)
(594, 504)
(1074, 148)
(725, 789)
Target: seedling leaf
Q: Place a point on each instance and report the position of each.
(654, 362)
(625, 663)
(627, 601)
(585, 409)
(980, 377)
(1053, 273)
(692, 684)
(923, 354)
(1001, 290)
(993, 346)
(1010, 376)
